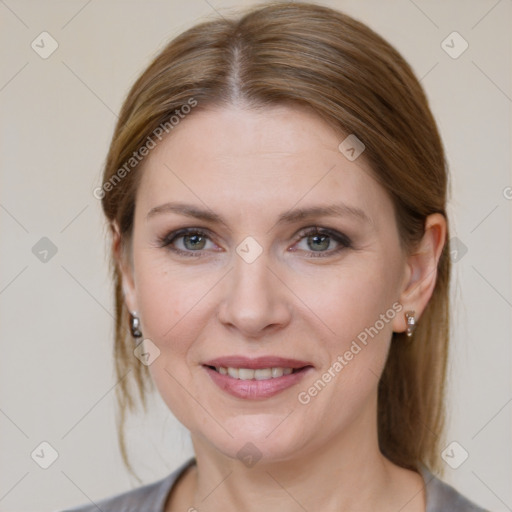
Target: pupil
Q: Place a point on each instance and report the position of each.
(196, 241)
(324, 239)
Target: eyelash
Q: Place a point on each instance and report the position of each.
(346, 243)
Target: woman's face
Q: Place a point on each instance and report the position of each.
(251, 282)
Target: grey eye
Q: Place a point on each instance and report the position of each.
(318, 242)
(194, 241)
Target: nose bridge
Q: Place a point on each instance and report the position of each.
(251, 274)
(254, 298)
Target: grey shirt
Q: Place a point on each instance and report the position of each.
(441, 497)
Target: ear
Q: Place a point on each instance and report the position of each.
(421, 271)
(125, 265)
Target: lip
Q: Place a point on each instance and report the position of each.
(256, 363)
(256, 389)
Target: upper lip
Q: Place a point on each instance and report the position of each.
(256, 363)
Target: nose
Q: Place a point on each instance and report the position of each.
(256, 299)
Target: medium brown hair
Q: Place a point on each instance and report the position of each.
(311, 56)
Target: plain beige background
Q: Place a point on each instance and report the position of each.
(57, 117)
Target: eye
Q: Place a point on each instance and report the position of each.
(187, 241)
(317, 241)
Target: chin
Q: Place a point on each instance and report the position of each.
(258, 438)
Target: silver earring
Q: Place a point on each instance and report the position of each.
(135, 325)
(411, 323)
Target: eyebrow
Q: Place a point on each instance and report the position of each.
(289, 217)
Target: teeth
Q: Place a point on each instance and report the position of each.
(263, 374)
(233, 372)
(249, 374)
(277, 372)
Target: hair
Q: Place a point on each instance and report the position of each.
(312, 56)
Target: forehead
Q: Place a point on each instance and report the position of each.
(260, 161)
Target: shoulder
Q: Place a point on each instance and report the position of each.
(150, 497)
(442, 497)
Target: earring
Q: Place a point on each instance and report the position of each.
(411, 323)
(135, 325)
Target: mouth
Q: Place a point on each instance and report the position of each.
(256, 374)
(255, 379)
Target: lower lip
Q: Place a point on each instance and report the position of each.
(256, 389)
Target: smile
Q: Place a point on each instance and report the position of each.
(259, 374)
(255, 383)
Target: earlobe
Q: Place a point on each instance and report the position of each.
(421, 270)
(129, 295)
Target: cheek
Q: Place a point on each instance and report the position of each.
(350, 299)
(356, 308)
(171, 310)
(175, 307)
(168, 297)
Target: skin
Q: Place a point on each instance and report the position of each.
(250, 166)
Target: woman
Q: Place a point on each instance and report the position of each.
(276, 192)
